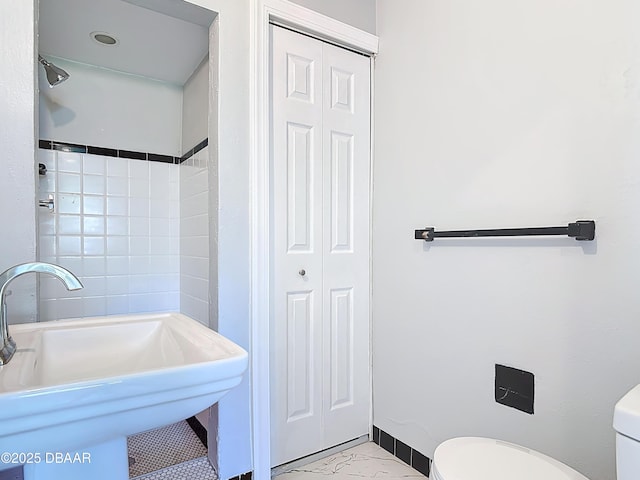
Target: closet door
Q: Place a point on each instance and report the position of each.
(320, 236)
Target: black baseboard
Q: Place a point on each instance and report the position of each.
(198, 429)
(404, 452)
(244, 476)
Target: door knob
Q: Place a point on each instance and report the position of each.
(302, 272)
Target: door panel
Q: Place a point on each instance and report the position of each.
(296, 341)
(346, 150)
(320, 246)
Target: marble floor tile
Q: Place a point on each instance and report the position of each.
(364, 461)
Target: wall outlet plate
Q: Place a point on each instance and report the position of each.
(514, 388)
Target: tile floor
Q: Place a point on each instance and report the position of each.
(364, 461)
(198, 469)
(175, 453)
(158, 449)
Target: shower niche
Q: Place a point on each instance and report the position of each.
(128, 157)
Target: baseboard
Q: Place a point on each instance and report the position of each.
(244, 476)
(198, 429)
(404, 452)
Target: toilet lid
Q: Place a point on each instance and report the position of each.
(473, 458)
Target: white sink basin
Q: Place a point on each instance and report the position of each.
(86, 384)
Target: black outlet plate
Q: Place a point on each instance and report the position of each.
(514, 388)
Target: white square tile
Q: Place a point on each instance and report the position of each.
(118, 285)
(138, 265)
(139, 226)
(47, 184)
(68, 203)
(46, 223)
(139, 170)
(159, 227)
(50, 287)
(117, 226)
(69, 224)
(68, 182)
(138, 284)
(117, 167)
(47, 245)
(160, 173)
(117, 246)
(139, 188)
(93, 184)
(159, 245)
(93, 246)
(94, 306)
(48, 157)
(159, 264)
(69, 162)
(73, 264)
(93, 225)
(139, 207)
(94, 286)
(160, 208)
(93, 266)
(93, 205)
(93, 164)
(117, 266)
(139, 245)
(118, 186)
(48, 310)
(70, 307)
(159, 190)
(69, 245)
(139, 303)
(117, 304)
(175, 227)
(117, 206)
(174, 192)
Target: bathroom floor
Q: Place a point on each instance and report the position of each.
(363, 461)
(176, 453)
(173, 452)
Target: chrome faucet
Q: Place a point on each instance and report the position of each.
(7, 345)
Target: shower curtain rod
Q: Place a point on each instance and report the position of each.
(580, 230)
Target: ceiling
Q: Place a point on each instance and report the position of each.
(166, 43)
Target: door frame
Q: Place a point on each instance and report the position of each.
(303, 20)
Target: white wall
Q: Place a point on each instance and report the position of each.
(105, 108)
(359, 13)
(117, 227)
(17, 133)
(195, 107)
(506, 114)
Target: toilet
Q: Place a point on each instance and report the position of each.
(477, 458)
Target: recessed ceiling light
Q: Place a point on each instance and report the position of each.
(104, 38)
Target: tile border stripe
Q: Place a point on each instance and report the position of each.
(401, 450)
(112, 152)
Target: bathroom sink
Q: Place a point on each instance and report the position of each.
(86, 384)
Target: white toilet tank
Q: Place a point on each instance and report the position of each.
(626, 422)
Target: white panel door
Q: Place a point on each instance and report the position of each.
(320, 245)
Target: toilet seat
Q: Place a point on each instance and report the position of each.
(476, 458)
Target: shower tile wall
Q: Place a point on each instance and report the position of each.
(194, 236)
(117, 226)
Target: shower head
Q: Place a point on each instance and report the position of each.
(55, 75)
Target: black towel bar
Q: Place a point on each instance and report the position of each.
(580, 230)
